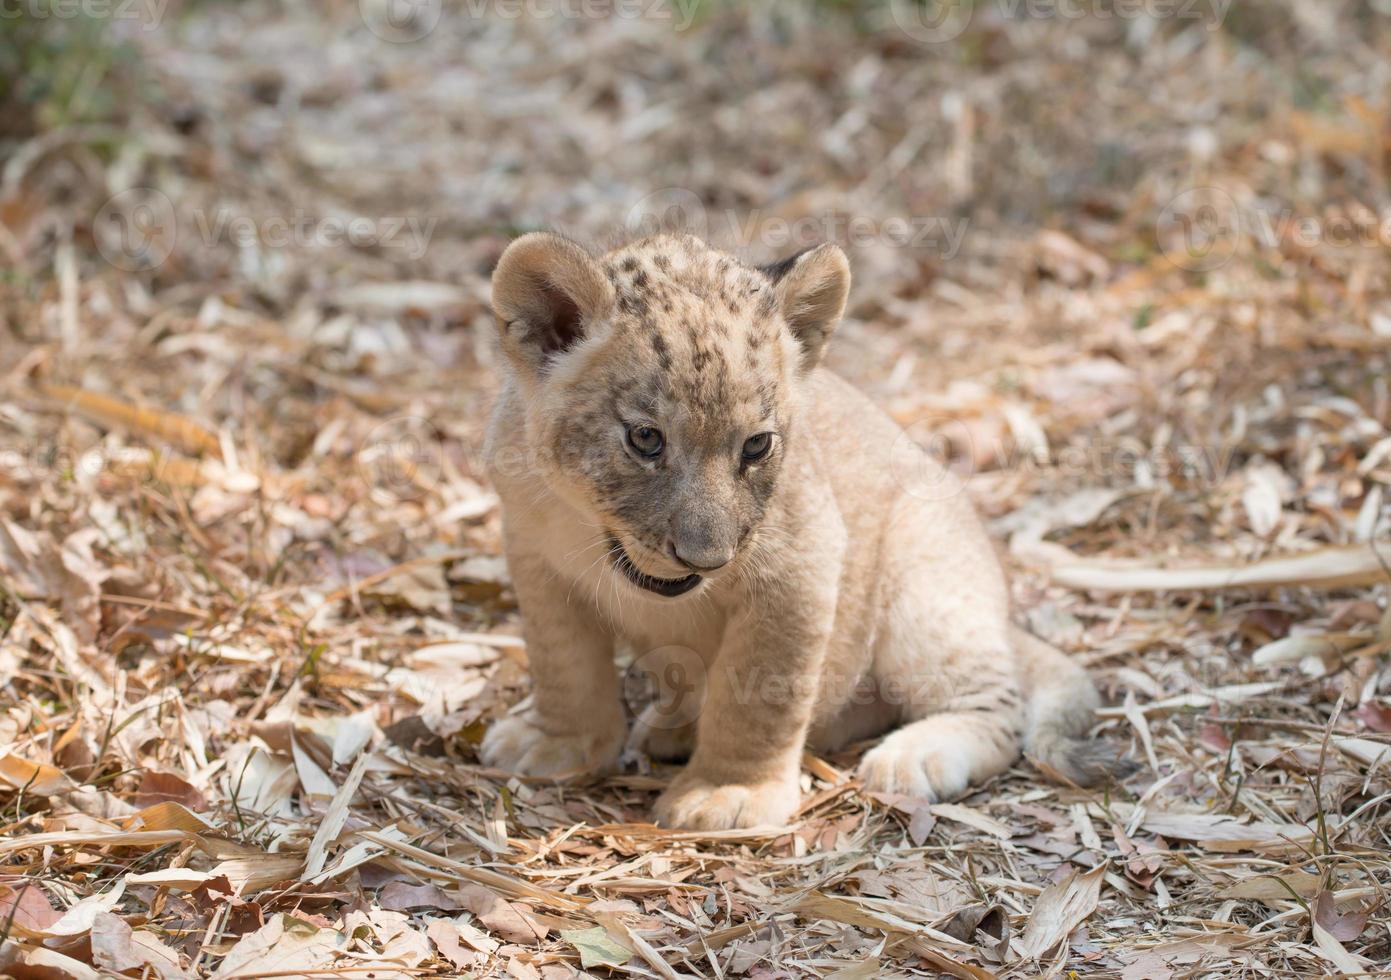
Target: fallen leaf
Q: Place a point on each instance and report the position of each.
(1063, 906)
(1376, 715)
(119, 948)
(1266, 488)
(972, 818)
(1275, 887)
(399, 896)
(1221, 830)
(153, 424)
(332, 823)
(25, 905)
(163, 787)
(596, 947)
(37, 963)
(79, 918)
(864, 970)
(1324, 568)
(1343, 926)
(285, 944)
(500, 916)
(445, 935)
(36, 778)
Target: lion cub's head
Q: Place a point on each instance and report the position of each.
(661, 382)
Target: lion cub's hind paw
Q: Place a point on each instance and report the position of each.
(905, 764)
(519, 744)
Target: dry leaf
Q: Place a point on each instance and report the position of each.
(1376, 715)
(401, 897)
(596, 947)
(511, 922)
(332, 823)
(162, 787)
(78, 919)
(1063, 906)
(35, 778)
(972, 818)
(120, 949)
(25, 906)
(1342, 926)
(26, 962)
(157, 426)
(282, 946)
(1326, 568)
(445, 935)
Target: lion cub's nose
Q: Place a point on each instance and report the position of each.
(701, 559)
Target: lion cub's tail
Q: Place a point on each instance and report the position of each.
(1060, 705)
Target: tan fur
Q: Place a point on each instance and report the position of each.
(845, 605)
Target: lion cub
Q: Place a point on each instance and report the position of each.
(695, 485)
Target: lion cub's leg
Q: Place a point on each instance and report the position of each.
(947, 659)
(753, 725)
(574, 723)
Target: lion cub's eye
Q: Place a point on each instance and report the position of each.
(646, 441)
(756, 447)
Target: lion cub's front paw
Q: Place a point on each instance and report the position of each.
(691, 803)
(520, 744)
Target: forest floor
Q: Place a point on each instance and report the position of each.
(1128, 276)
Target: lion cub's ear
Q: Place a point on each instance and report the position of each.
(547, 291)
(812, 287)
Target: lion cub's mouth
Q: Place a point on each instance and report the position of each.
(669, 587)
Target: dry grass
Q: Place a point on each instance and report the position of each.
(253, 619)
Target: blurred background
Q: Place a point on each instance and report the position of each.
(1122, 263)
